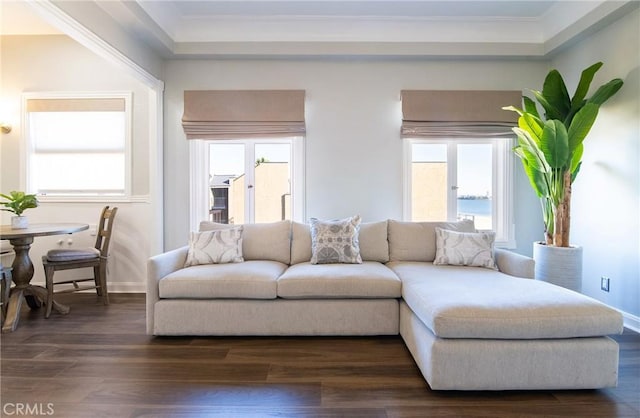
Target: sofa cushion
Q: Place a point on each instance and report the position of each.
(335, 241)
(373, 242)
(374, 245)
(416, 241)
(473, 302)
(248, 280)
(215, 247)
(474, 249)
(367, 280)
(261, 241)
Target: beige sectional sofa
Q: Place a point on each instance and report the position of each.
(468, 328)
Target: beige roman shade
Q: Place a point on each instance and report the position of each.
(232, 114)
(115, 104)
(458, 113)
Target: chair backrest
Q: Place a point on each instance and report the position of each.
(103, 235)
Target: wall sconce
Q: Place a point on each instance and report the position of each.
(5, 127)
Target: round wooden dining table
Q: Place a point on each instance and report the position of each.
(21, 240)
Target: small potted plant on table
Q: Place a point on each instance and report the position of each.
(18, 202)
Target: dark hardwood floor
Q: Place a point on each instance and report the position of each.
(97, 362)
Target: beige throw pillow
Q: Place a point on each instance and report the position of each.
(465, 248)
(335, 241)
(215, 247)
(261, 241)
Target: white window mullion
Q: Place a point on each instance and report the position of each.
(408, 179)
(297, 180)
(498, 198)
(452, 181)
(199, 184)
(250, 173)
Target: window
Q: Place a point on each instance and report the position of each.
(248, 181)
(78, 145)
(452, 179)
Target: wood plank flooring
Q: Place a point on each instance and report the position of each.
(98, 362)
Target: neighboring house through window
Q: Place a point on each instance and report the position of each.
(254, 180)
(247, 155)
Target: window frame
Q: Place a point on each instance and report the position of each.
(502, 182)
(200, 169)
(28, 148)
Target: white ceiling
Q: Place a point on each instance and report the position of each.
(177, 28)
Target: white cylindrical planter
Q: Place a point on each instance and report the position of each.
(561, 266)
(19, 222)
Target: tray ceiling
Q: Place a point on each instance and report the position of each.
(330, 27)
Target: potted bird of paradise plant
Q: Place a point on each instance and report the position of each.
(550, 146)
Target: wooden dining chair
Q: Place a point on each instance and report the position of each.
(5, 289)
(71, 258)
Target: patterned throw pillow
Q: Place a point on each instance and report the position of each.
(465, 248)
(335, 241)
(215, 247)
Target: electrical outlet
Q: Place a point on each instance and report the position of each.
(604, 283)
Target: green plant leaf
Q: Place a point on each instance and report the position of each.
(534, 163)
(530, 106)
(531, 124)
(513, 109)
(550, 111)
(531, 168)
(606, 91)
(581, 125)
(576, 158)
(555, 93)
(531, 151)
(536, 179)
(17, 202)
(554, 143)
(583, 85)
(575, 172)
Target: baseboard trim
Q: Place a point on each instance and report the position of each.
(631, 321)
(117, 287)
(127, 287)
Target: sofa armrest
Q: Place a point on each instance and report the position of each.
(158, 267)
(514, 264)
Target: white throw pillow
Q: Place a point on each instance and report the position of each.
(335, 241)
(215, 247)
(465, 248)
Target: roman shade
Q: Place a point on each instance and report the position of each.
(103, 104)
(232, 114)
(458, 113)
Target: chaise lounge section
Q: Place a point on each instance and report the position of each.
(471, 328)
(468, 328)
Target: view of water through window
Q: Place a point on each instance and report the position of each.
(459, 171)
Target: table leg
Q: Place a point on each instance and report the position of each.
(40, 294)
(33, 302)
(22, 264)
(13, 312)
(18, 295)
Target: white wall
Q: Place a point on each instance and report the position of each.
(353, 116)
(100, 23)
(57, 63)
(606, 204)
